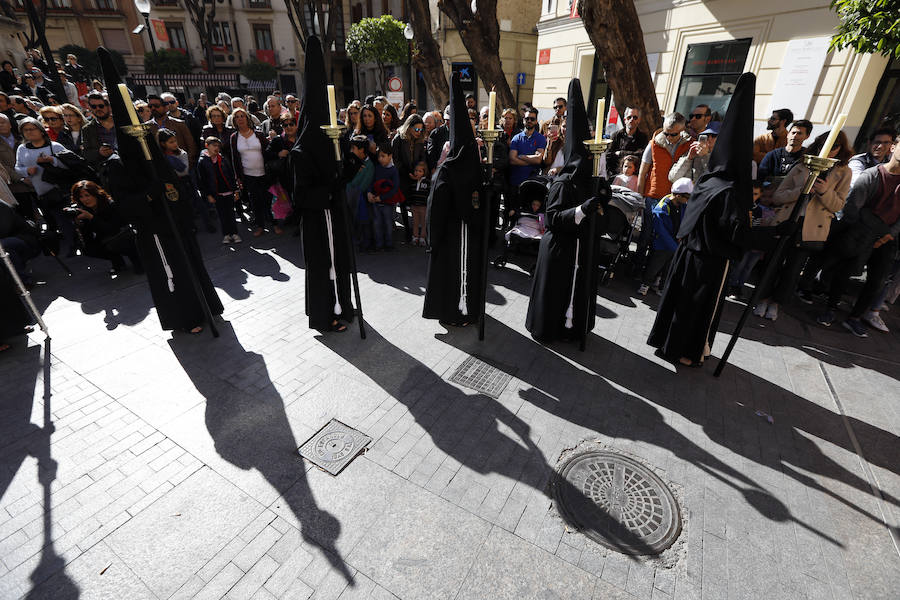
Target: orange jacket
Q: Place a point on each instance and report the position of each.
(658, 184)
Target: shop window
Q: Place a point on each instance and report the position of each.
(710, 74)
(116, 39)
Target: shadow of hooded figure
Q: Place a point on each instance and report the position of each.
(250, 429)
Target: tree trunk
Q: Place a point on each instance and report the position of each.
(427, 55)
(615, 31)
(480, 34)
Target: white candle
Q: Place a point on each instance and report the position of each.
(491, 104)
(832, 135)
(129, 105)
(332, 107)
(598, 129)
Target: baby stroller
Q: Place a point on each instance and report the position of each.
(624, 209)
(524, 237)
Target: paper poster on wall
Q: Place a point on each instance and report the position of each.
(800, 71)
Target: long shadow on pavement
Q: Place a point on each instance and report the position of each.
(467, 427)
(251, 431)
(709, 402)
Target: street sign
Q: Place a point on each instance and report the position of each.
(395, 98)
(544, 56)
(466, 75)
(520, 78)
(394, 84)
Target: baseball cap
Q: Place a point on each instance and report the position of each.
(712, 129)
(683, 186)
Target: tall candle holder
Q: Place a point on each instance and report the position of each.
(140, 132)
(334, 133)
(490, 137)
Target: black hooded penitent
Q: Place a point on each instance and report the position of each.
(559, 294)
(714, 231)
(455, 224)
(316, 192)
(139, 188)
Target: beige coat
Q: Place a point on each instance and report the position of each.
(822, 206)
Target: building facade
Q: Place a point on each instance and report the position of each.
(518, 44)
(697, 49)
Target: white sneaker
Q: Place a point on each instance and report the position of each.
(761, 308)
(772, 311)
(874, 319)
(226, 239)
(236, 239)
(643, 289)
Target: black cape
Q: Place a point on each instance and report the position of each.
(140, 189)
(318, 197)
(549, 317)
(455, 222)
(713, 233)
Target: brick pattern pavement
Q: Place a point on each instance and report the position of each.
(144, 424)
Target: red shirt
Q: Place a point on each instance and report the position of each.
(887, 206)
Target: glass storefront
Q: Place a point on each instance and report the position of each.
(710, 73)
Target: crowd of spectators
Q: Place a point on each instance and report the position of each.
(232, 152)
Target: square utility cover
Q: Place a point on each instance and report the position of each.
(478, 375)
(334, 446)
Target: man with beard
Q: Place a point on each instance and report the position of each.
(564, 292)
(775, 135)
(455, 224)
(714, 230)
(317, 196)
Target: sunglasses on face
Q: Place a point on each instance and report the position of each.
(529, 119)
(97, 106)
(170, 102)
(288, 124)
(417, 129)
(292, 101)
(559, 106)
(696, 116)
(667, 134)
(155, 105)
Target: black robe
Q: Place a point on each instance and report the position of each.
(692, 300)
(315, 198)
(14, 317)
(179, 308)
(551, 290)
(449, 207)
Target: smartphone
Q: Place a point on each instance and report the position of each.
(703, 138)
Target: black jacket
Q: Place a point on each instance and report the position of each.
(215, 178)
(435, 145)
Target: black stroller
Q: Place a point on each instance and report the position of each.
(624, 209)
(524, 236)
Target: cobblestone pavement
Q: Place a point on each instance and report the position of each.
(142, 464)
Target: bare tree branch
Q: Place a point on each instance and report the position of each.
(204, 23)
(427, 56)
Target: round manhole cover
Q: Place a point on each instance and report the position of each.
(617, 502)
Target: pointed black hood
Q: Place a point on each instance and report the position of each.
(463, 150)
(730, 161)
(577, 156)
(312, 139)
(128, 148)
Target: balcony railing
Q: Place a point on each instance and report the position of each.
(257, 4)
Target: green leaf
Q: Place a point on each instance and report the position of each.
(867, 26)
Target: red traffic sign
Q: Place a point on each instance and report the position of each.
(394, 84)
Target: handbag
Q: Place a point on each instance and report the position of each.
(74, 169)
(281, 203)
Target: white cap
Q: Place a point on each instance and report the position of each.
(683, 186)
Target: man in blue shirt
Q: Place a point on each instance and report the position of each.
(526, 150)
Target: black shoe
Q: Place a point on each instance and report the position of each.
(804, 297)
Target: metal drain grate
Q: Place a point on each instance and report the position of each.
(478, 375)
(334, 446)
(618, 502)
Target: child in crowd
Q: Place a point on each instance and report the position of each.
(666, 220)
(360, 171)
(384, 197)
(175, 156)
(218, 186)
(627, 176)
(760, 216)
(419, 201)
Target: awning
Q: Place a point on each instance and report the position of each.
(263, 86)
(224, 80)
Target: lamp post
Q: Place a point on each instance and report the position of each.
(143, 7)
(408, 33)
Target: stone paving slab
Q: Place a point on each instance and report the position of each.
(451, 499)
